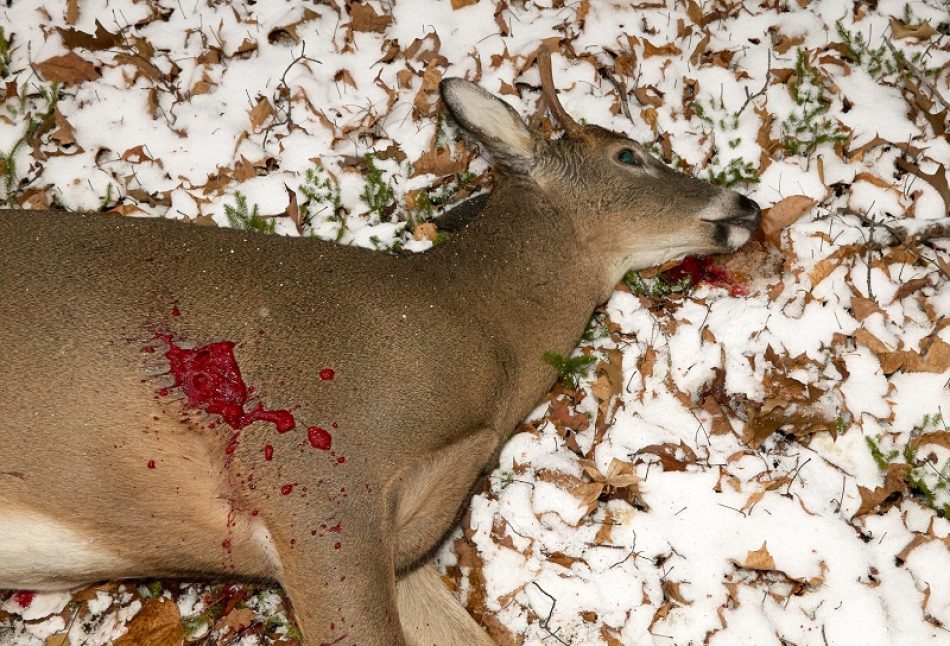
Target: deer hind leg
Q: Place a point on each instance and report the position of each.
(431, 615)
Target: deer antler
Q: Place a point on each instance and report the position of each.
(550, 94)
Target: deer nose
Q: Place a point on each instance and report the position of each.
(750, 205)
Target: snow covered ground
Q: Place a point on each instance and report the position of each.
(760, 458)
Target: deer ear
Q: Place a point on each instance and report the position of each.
(491, 121)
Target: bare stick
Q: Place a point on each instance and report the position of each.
(902, 60)
(765, 86)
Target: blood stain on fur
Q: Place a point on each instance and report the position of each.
(327, 374)
(150, 464)
(319, 438)
(700, 269)
(211, 380)
(286, 489)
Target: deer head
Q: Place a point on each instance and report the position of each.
(625, 205)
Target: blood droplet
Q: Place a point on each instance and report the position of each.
(24, 598)
(340, 460)
(268, 452)
(327, 374)
(337, 546)
(226, 543)
(286, 489)
(150, 464)
(176, 311)
(319, 438)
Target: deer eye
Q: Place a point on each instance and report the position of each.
(629, 157)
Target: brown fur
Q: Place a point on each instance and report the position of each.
(438, 356)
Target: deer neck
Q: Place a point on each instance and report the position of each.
(521, 269)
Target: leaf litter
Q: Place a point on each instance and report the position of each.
(759, 452)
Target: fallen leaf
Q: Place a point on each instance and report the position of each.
(673, 457)
(102, 39)
(69, 69)
(782, 214)
(260, 113)
(158, 623)
(649, 49)
(759, 559)
(920, 31)
(364, 18)
(459, 4)
(425, 231)
(881, 498)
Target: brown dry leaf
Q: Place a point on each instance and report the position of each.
(649, 95)
(937, 179)
(759, 559)
(69, 69)
(364, 18)
(782, 214)
(910, 287)
(782, 43)
(673, 457)
(158, 623)
(936, 359)
(102, 39)
(260, 113)
(864, 307)
(459, 4)
(564, 560)
(606, 527)
(670, 49)
(671, 590)
(236, 620)
(940, 438)
(344, 76)
(823, 268)
(425, 231)
(881, 498)
(871, 342)
(699, 50)
(610, 637)
(59, 639)
(562, 417)
(422, 107)
(64, 134)
(441, 162)
(72, 11)
(902, 30)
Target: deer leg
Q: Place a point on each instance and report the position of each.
(431, 615)
(346, 596)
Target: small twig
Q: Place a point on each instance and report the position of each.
(286, 91)
(903, 61)
(546, 622)
(621, 88)
(788, 490)
(899, 234)
(765, 86)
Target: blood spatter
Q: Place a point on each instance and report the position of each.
(226, 544)
(319, 438)
(176, 311)
(150, 464)
(286, 489)
(24, 598)
(341, 460)
(700, 269)
(335, 529)
(210, 378)
(231, 446)
(327, 374)
(337, 546)
(268, 453)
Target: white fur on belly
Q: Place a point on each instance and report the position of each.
(39, 553)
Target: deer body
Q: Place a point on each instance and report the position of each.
(109, 469)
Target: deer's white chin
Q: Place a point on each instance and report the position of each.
(737, 237)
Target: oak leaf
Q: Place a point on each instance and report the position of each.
(782, 214)
(69, 69)
(364, 18)
(158, 623)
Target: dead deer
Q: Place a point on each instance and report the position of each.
(179, 401)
